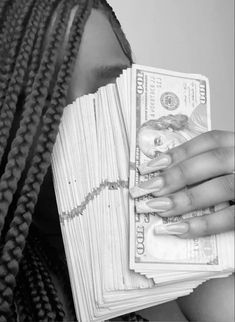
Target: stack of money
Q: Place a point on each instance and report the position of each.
(117, 261)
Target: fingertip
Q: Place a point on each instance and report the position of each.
(159, 163)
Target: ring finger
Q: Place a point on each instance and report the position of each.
(202, 167)
(201, 196)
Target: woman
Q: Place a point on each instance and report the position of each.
(52, 51)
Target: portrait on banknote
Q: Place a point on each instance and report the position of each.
(169, 131)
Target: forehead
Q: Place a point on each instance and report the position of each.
(99, 48)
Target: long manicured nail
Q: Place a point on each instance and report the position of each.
(154, 205)
(172, 229)
(147, 187)
(161, 162)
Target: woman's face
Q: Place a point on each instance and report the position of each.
(100, 60)
(152, 141)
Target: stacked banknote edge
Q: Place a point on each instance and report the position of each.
(116, 260)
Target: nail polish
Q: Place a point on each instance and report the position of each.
(154, 205)
(147, 187)
(161, 162)
(172, 229)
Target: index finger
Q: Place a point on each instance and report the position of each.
(200, 144)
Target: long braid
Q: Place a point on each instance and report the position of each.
(39, 303)
(3, 6)
(44, 299)
(22, 296)
(30, 121)
(5, 22)
(55, 264)
(49, 288)
(27, 296)
(41, 161)
(19, 228)
(39, 295)
(10, 40)
(16, 81)
(26, 274)
(36, 54)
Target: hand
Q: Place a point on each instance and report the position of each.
(196, 175)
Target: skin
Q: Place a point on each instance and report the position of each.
(100, 60)
(189, 186)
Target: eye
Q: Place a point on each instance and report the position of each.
(158, 141)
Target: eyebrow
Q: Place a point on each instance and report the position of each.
(109, 72)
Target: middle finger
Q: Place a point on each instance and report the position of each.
(201, 196)
(202, 167)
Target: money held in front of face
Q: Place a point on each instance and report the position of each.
(117, 260)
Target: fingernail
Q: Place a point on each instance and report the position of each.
(147, 187)
(161, 162)
(156, 205)
(172, 229)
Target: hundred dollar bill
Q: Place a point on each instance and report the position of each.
(169, 108)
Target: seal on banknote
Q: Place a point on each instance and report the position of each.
(170, 101)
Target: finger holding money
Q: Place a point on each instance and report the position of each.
(207, 141)
(214, 223)
(189, 171)
(199, 175)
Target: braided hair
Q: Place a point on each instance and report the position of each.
(32, 96)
